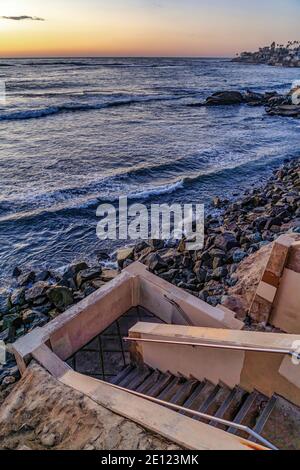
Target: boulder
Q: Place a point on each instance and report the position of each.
(69, 276)
(238, 255)
(26, 279)
(4, 304)
(88, 275)
(17, 298)
(109, 274)
(124, 254)
(288, 110)
(222, 98)
(200, 272)
(155, 262)
(16, 272)
(36, 291)
(226, 241)
(11, 320)
(43, 275)
(60, 296)
(220, 273)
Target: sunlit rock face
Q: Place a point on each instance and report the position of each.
(295, 93)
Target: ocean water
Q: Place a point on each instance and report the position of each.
(78, 132)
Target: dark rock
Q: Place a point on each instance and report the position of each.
(44, 308)
(4, 304)
(169, 275)
(124, 254)
(69, 276)
(213, 300)
(16, 272)
(217, 202)
(36, 291)
(238, 255)
(222, 98)
(88, 275)
(17, 298)
(155, 262)
(26, 279)
(60, 296)
(39, 320)
(218, 257)
(226, 241)
(4, 335)
(288, 110)
(42, 276)
(157, 244)
(102, 255)
(261, 222)
(140, 246)
(200, 272)
(11, 320)
(28, 316)
(220, 273)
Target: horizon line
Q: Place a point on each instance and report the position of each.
(116, 57)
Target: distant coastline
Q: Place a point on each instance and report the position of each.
(275, 55)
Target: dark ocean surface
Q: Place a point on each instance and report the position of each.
(78, 132)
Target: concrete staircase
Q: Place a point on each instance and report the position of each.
(254, 410)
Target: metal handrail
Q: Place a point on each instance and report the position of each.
(218, 346)
(205, 416)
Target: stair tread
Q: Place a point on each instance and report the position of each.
(184, 392)
(116, 380)
(229, 408)
(265, 415)
(249, 412)
(140, 378)
(282, 426)
(192, 397)
(162, 383)
(202, 396)
(221, 396)
(170, 391)
(130, 377)
(149, 382)
(211, 397)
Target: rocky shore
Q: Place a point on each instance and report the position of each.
(238, 229)
(275, 55)
(274, 103)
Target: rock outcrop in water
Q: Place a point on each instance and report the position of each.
(275, 55)
(274, 103)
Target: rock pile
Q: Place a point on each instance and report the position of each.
(238, 229)
(274, 103)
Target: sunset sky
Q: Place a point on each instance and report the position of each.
(144, 27)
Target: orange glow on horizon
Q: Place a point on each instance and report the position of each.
(133, 28)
